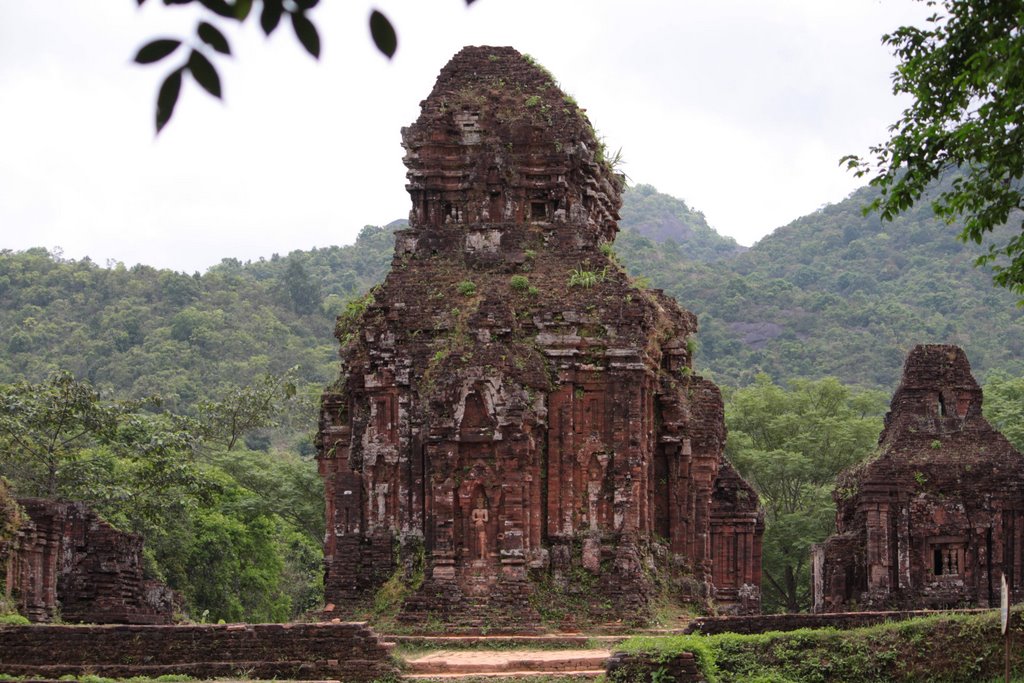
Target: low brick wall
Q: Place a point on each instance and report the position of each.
(762, 623)
(331, 650)
(679, 669)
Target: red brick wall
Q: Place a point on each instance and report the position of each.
(343, 651)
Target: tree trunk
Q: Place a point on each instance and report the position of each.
(791, 598)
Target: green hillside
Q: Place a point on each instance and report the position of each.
(139, 331)
(832, 293)
(837, 293)
(682, 231)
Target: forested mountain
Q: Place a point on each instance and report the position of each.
(683, 232)
(832, 293)
(139, 331)
(837, 293)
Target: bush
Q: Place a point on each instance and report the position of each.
(520, 283)
(466, 288)
(13, 620)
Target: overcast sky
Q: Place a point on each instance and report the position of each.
(742, 108)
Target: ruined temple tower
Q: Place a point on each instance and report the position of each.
(514, 416)
(937, 517)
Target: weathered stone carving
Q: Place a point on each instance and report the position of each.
(64, 560)
(509, 401)
(937, 516)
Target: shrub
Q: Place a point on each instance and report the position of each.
(13, 620)
(585, 278)
(940, 648)
(520, 283)
(466, 288)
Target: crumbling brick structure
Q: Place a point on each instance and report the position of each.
(937, 516)
(325, 651)
(513, 413)
(64, 560)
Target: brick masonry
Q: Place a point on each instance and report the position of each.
(681, 668)
(936, 517)
(64, 560)
(511, 407)
(762, 623)
(345, 651)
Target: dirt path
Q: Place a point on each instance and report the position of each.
(511, 663)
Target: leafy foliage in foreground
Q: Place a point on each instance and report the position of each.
(963, 72)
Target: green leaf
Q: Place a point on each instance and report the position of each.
(204, 73)
(242, 9)
(219, 7)
(167, 98)
(156, 50)
(306, 32)
(271, 15)
(210, 35)
(383, 34)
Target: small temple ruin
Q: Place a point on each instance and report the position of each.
(60, 559)
(514, 416)
(936, 518)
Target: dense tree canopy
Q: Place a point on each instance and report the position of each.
(835, 293)
(237, 531)
(790, 443)
(1004, 406)
(965, 73)
(58, 439)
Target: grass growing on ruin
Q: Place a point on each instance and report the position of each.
(941, 648)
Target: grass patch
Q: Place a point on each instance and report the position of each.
(941, 648)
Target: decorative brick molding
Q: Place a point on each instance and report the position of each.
(64, 558)
(937, 516)
(512, 410)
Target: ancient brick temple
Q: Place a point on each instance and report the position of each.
(63, 560)
(937, 517)
(514, 415)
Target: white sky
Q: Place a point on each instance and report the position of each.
(740, 107)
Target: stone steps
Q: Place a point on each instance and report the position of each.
(516, 675)
(477, 663)
(552, 641)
